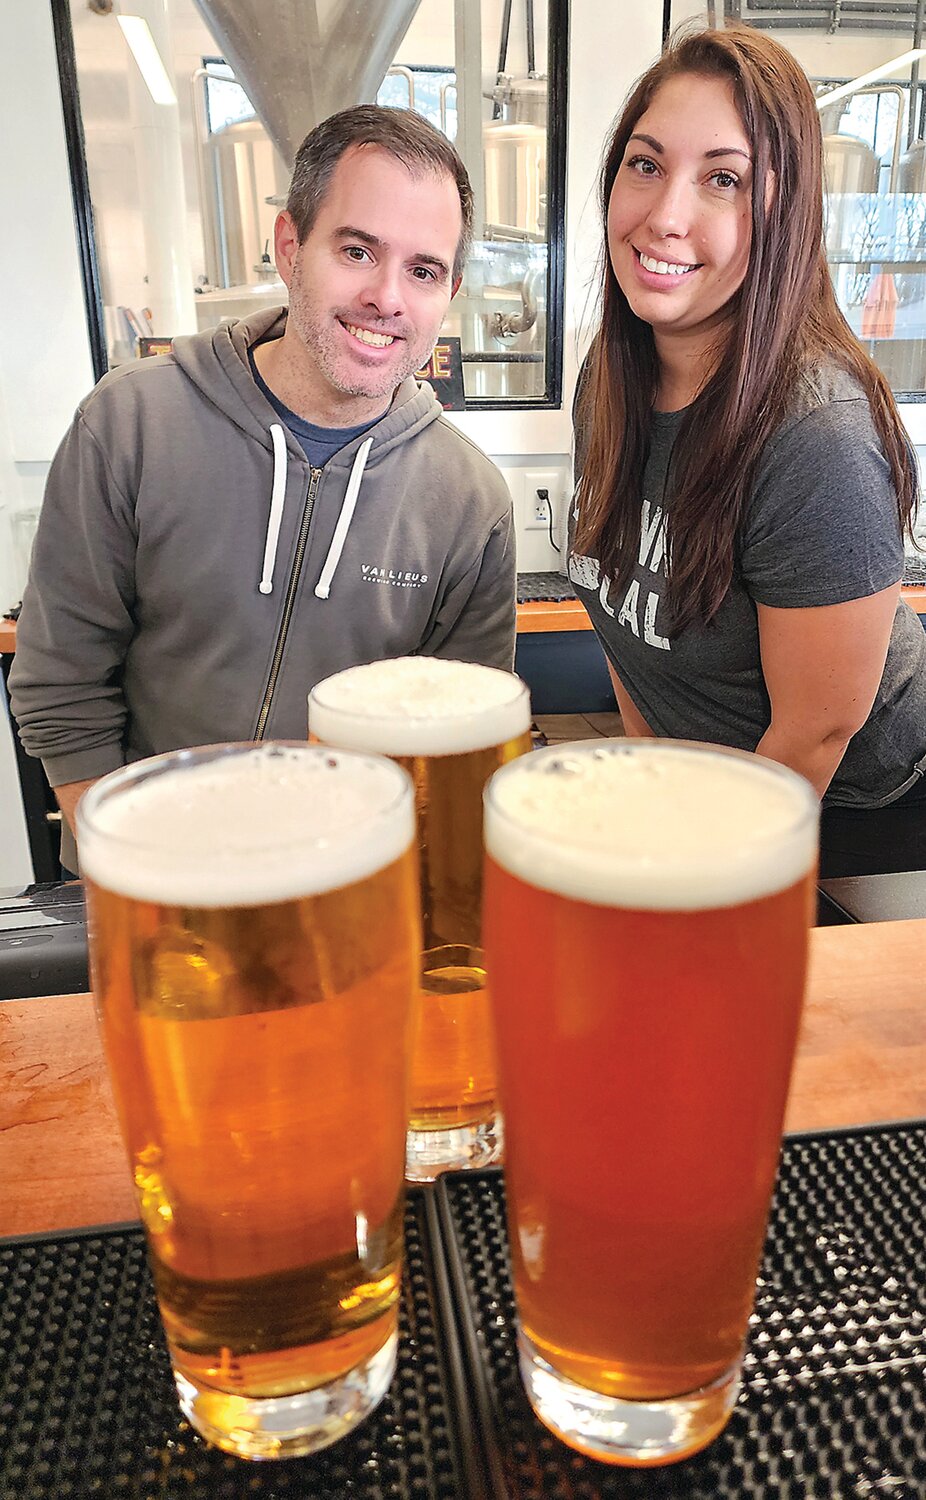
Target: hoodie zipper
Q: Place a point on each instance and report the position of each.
(307, 509)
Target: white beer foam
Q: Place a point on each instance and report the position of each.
(651, 825)
(419, 705)
(271, 823)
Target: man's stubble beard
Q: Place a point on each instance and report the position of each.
(313, 326)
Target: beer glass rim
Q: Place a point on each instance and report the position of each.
(436, 730)
(397, 808)
(534, 841)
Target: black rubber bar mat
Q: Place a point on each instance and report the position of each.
(88, 1406)
(834, 1390)
(536, 588)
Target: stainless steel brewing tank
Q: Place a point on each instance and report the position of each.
(241, 174)
(494, 283)
(505, 281)
(911, 179)
(516, 176)
(850, 165)
(515, 154)
(850, 168)
(523, 100)
(913, 169)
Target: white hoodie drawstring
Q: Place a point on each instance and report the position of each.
(323, 587)
(277, 494)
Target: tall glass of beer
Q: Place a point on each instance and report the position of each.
(450, 724)
(254, 944)
(647, 906)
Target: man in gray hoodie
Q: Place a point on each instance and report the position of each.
(226, 525)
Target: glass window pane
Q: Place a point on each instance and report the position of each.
(185, 190)
(875, 161)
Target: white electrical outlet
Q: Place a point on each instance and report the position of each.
(542, 514)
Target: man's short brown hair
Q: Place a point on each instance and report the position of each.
(406, 135)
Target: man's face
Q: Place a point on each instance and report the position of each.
(370, 284)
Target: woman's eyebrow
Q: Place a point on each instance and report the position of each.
(656, 146)
(648, 140)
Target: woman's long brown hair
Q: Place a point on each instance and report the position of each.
(784, 320)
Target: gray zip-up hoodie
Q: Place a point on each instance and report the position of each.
(193, 577)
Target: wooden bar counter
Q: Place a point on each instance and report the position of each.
(540, 616)
(862, 1058)
(569, 614)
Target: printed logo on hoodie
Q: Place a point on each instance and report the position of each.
(395, 577)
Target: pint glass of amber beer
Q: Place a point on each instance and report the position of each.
(450, 724)
(254, 945)
(647, 907)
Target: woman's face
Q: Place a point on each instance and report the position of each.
(680, 215)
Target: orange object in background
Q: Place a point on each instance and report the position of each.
(879, 310)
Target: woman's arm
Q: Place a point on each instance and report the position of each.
(822, 667)
(634, 723)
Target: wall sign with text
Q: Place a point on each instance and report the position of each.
(444, 371)
(150, 346)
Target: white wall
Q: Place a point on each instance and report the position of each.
(45, 363)
(15, 859)
(9, 499)
(44, 349)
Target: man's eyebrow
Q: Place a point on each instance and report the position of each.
(655, 145)
(424, 259)
(350, 232)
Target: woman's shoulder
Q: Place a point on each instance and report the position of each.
(825, 461)
(828, 420)
(826, 391)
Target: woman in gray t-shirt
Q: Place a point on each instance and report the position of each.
(745, 479)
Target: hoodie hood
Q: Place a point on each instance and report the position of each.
(217, 364)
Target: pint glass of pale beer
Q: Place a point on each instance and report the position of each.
(254, 946)
(450, 724)
(647, 907)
